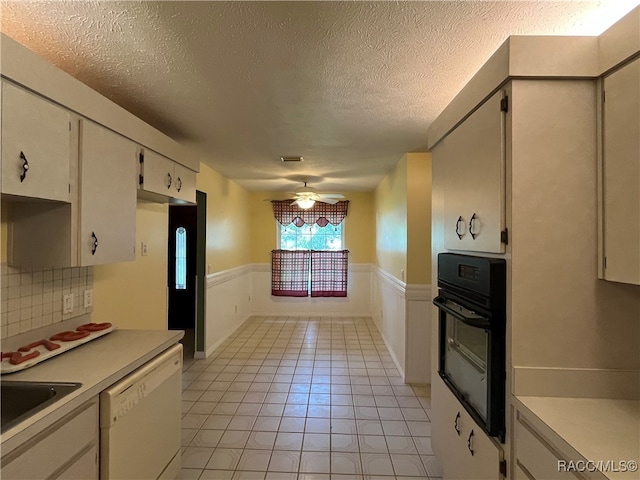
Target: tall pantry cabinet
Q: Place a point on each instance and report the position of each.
(520, 155)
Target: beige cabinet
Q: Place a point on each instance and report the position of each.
(620, 175)
(107, 196)
(66, 450)
(465, 452)
(35, 146)
(162, 179)
(474, 196)
(99, 226)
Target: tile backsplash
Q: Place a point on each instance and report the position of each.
(31, 299)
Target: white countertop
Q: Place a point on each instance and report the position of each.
(596, 428)
(96, 365)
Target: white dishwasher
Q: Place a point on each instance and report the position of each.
(140, 421)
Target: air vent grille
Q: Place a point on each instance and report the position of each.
(292, 159)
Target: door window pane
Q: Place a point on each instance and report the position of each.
(181, 258)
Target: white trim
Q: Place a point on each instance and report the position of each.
(392, 353)
(227, 275)
(418, 292)
(398, 285)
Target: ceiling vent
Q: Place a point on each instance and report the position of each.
(292, 159)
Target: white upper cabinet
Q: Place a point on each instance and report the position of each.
(474, 195)
(621, 175)
(165, 179)
(107, 196)
(35, 146)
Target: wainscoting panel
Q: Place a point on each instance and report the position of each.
(357, 303)
(227, 305)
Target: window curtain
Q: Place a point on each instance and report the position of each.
(329, 271)
(287, 212)
(290, 270)
(290, 273)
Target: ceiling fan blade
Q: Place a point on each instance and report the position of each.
(331, 201)
(331, 195)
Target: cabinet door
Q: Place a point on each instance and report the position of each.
(621, 175)
(107, 196)
(35, 146)
(184, 185)
(57, 448)
(158, 174)
(474, 198)
(463, 449)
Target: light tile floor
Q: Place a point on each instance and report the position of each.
(288, 398)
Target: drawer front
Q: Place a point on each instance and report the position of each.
(535, 456)
(50, 450)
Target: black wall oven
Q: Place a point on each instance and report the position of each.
(471, 347)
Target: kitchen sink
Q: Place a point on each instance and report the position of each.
(20, 400)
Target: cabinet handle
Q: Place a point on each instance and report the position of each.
(178, 184)
(94, 247)
(456, 427)
(25, 167)
(472, 223)
(169, 180)
(459, 232)
(469, 444)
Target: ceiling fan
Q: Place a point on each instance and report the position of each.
(306, 197)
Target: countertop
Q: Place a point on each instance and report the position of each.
(596, 428)
(96, 365)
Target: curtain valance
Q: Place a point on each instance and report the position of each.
(287, 212)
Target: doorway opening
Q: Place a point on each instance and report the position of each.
(186, 273)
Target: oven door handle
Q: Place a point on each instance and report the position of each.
(478, 322)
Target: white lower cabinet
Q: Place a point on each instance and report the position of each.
(461, 446)
(536, 458)
(68, 449)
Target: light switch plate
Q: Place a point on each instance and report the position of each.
(143, 249)
(67, 303)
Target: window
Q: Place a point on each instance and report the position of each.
(311, 237)
(310, 259)
(181, 258)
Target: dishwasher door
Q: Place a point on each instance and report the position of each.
(140, 421)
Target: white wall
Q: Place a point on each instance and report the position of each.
(357, 303)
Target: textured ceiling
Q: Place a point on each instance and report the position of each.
(351, 86)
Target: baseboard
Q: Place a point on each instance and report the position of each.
(390, 350)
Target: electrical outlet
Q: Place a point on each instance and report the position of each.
(67, 303)
(88, 298)
(143, 249)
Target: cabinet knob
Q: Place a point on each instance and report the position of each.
(178, 184)
(456, 427)
(169, 180)
(472, 224)
(94, 247)
(469, 443)
(25, 167)
(460, 228)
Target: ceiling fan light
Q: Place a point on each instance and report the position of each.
(305, 203)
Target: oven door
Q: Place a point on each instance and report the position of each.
(471, 361)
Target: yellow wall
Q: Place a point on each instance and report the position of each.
(418, 218)
(359, 229)
(134, 294)
(391, 221)
(403, 220)
(228, 221)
